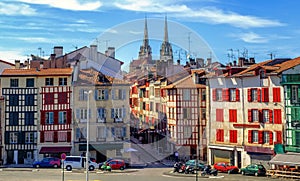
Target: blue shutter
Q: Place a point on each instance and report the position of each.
(112, 113)
(124, 132)
(113, 132)
(113, 94)
(99, 113)
(123, 112)
(123, 94)
(96, 94)
(81, 94)
(106, 94)
(78, 134)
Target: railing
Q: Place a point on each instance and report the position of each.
(291, 174)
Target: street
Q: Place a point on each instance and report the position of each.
(147, 174)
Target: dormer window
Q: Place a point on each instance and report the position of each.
(101, 78)
(262, 73)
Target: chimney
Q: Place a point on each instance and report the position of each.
(110, 52)
(208, 61)
(52, 56)
(178, 62)
(200, 62)
(234, 63)
(93, 52)
(58, 51)
(252, 60)
(17, 64)
(241, 61)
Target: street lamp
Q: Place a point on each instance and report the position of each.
(87, 134)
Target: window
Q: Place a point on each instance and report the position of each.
(81, 114)
(48, 136)
(49, 98)
(255, 136)
(13, 137)
(118, 94)
(266, 116)
(62, 117)
(117, 113)
(30, 82)
(186, 113)
(219, 95)
(295, 94)
(62, 136)
(232, 95)
(233, 136)
(62, 98)
(186, 94)
(101, 114)
(203, 114)
(220, 135)
(102, 132)
(266, 137)
(233, 115)
(13, 100)
(151, 91)
(29, 100)
(255, 115)
(29, 118)
(83, 95)
(49, 118)
(157, 92)
(14, 82)
(254, 95)
(29, 137)
(187, 132)
(49, 81)
(62, 81)
(219, 115)
(203, 95)
(151, 106)
(13, 118)
(102, 94)
(262, 74)
(297, 138)
(276, 94)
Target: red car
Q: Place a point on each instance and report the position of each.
(116, 164)
(226, 167)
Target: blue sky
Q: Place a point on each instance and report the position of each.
(214, 27)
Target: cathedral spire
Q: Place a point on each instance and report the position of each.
(146, 39)
(145, 49)
(166, 53)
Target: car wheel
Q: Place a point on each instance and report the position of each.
(91, 168)
(69, 168)
(55, 165)
(243, 173)
(256, 174)
(37, 166)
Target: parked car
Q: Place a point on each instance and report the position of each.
(47, 163)
(192, 163)
(78, 162)
(254, 169)
(116, 164)
(226, 167)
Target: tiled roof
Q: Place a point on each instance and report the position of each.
(250, 70)
(186, 82)
(8, 63)
(35, 72)
(288, 64)
(91, 77)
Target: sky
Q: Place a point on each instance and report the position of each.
(222, 30)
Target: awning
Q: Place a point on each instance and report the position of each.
(290, 159)
(61, 149)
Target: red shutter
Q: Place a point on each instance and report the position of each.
(278, 137)
(55, 117)
(69, 116)
(271, 137)
(265, 94)
(276, 94)
(258, 95)
(42, 136)
(249, 95)
(260, 116)
(277, 116)
(231, 136)
(249, 136)
(234, 114)
(270, 116)
(225, 95)
(218, 135)
(235, 136)
(237, 93)
(222, 135)
(43, 117)
(249, 115)
(69, 136)
(260, 137)
(214, 92)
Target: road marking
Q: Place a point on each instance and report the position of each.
(216, 176)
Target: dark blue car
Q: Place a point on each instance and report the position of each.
(47, 163)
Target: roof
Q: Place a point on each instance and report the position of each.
(91, 77)
(8, 63)
(186, 82)
(290, 159)
(36, 72)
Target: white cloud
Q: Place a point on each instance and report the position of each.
(12, 55)
(12, 9)
(135, 32)
(75, 5)
(251, 38)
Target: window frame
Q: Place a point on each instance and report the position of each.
(255, 138)
(49, 81)
(62, 117)
(63, 81)
(14, 82)
(49, 118)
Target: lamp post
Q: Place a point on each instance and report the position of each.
(87, 135)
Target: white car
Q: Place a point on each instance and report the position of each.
(78, 162)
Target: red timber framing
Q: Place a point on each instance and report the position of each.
(56, 99)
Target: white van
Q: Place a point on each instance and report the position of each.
(78, 162)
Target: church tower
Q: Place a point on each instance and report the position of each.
(166, 53)
(145, 52)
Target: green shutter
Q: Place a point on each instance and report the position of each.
(288, 92)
